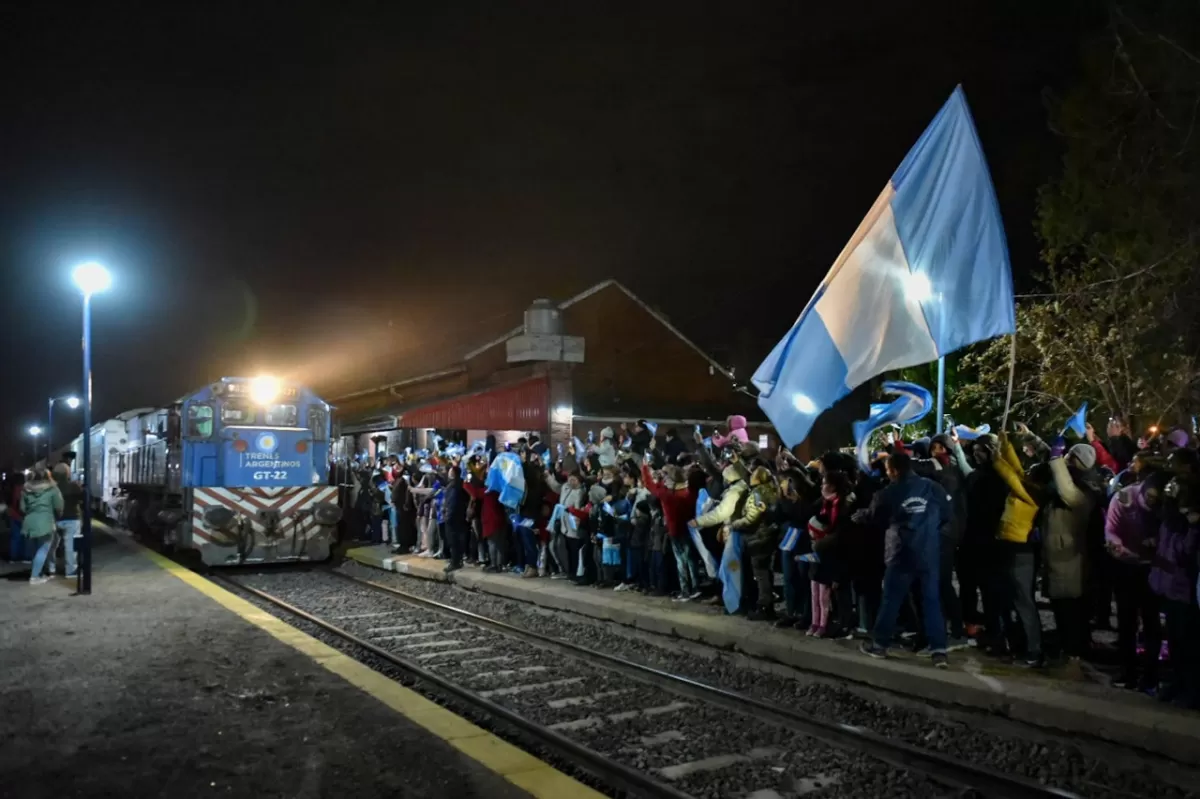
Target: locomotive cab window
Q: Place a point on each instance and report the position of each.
(199, 421)
(318, 423)
(237, 412)
(280, 416)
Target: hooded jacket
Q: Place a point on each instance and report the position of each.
(1020, 509)
(733, 479)
(678, 503)
(1173, 570)
(912, 509)
(759, 518)
(493, 517)
(72, 494)
(1130, 523)
(41, 503)
(737, 432)
(605, 450)
(1065, 525)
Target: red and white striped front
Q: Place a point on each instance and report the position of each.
(281, 542)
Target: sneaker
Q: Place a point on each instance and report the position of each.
(955, 644)
(694, 595)
(1033, 662)
(38, 580)
(869, 649)
(924, 652)
(451, 567)
(940, 661)
(681, 599)
(559, 576)
(528, 573)
(817, 632)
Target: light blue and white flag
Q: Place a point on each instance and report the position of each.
(1077, 424)
(967, 433)
(652, 427)
(926, 273)
(911, 404)
(731, 572)
(791, 537)
(703, 504)
(506, 477)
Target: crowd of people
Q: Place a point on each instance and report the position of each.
(944, 543)
(42, 512)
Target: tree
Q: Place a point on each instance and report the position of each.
(1113, 321)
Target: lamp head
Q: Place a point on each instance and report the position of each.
(91, 278)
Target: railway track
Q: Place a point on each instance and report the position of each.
(636, 729)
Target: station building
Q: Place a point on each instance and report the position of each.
(595, 360)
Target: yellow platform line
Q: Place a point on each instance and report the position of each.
(522, 769)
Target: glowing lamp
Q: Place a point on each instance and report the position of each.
(72, 402)
(34, 430)
(91, 278)
(264, 389)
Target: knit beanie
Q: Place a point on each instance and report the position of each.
(1085, 454)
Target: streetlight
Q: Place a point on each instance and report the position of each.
(35, 431)
(91, 278)
(72, 403)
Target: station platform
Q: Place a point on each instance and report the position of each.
(161, 683)
(1045, 699)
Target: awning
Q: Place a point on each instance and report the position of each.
(518, 406)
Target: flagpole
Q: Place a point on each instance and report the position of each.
(1012, 371)
(941, 402)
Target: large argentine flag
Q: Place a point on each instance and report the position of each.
(926, 273)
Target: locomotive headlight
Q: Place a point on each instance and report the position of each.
(265, 389)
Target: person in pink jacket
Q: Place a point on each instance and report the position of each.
(1130, 536)
(737, 432)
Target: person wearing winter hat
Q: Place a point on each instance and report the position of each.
(605, 451)
(1076, 491)
(736, 425)
(678, 502)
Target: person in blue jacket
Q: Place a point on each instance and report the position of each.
(913, 509)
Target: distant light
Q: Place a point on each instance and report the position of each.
(91, 278)
(917, 286)
(72, 402)
(804, 404)
(563, 410)
(34, 430)
(265, 389)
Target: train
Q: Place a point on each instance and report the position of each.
(237, 471)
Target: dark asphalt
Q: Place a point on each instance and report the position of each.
(148, 688)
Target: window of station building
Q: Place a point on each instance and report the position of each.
(199, 421)
(236, 412)
(280, 416)
(318, 423)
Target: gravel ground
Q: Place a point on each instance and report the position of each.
(147, 688)
(1090, 770)
(704, 750)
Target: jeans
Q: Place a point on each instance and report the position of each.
(897, 581)
(561, 553)
(1019, 566)
(67, 530)
(682, 548)
(658, 573)
(635, 566)
(951, 607)
(39, 560)
(797, 596)
(528, 554)
(393, 525)
(16, 541)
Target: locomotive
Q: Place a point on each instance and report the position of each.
(237, 470)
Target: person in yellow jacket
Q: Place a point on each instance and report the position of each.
(1015, 560)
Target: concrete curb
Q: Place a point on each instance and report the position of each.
(1123, 718)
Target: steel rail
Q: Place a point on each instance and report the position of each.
(944, 769)
(612, 773)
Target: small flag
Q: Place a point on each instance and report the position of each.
(1078, 421)
(967, 433)
(911, 405)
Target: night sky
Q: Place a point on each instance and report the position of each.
(342, 197)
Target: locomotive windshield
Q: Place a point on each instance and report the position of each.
(200, 420)
(280, 416)
(237, 412)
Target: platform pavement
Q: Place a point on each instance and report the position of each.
(1045, 700)
(152, 687)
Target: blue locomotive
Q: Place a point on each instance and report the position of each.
(237, 470)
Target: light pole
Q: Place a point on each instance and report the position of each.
(72, 403)
(91, 278)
